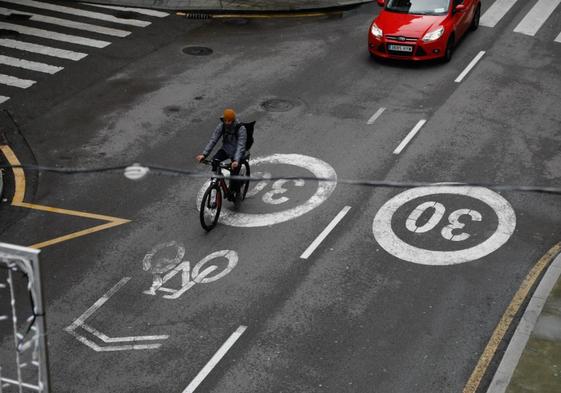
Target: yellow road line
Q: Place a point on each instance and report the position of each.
(19, 194)
(504, 324)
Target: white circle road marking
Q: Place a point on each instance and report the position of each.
(385, 236)
(317, 167)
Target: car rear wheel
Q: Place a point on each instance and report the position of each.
(475, 20)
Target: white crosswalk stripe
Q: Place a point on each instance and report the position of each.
(558, 39)
(496, 12)
(15, 82)
(67, 23)
(79, 12)
(42, 50)
(537, 16)
(3, 99)
(54, 36)
(29, 65)
(157, 14)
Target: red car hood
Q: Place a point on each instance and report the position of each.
(408, 25)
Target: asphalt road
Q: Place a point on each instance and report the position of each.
(361, 313)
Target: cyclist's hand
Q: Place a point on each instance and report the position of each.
(234, 164)
(200, 157)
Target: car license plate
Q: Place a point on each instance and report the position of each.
(400, 48)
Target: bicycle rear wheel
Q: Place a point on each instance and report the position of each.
(210, 207)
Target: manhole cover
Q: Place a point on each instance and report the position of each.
(197, 51)
(277, 105)
(125, 14)
(8, 33)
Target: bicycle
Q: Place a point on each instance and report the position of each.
(212, 197)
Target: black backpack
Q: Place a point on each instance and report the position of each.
(249, 127)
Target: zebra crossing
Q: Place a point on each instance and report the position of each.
(532, 22)
(58, 32)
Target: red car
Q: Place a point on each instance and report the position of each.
(421, 29)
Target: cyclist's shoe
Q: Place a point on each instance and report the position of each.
(237, 200)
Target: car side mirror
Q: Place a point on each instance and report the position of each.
(381, 3)
(460, 8)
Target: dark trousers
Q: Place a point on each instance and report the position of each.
(221, 155)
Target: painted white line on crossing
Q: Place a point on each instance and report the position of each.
(41, 49)
(15, 82)
(68, 23)
(376, 116)
(409, 136)
(315, 244)
(558, 39)
(29, 65)
(215, 359)
(496, 12)
(469, 67)
(2, 100)
(51, 35)
(79, 12)
(143, 11)
(537, 16)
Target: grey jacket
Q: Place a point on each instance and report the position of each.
(233, 143)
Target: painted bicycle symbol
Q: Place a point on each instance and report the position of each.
(164, 269)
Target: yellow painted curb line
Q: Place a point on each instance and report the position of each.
(19, 196)
(506, 320)
(267, 16)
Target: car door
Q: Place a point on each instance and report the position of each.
(460, 19)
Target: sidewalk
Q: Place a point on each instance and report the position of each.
(532, 362)
(234, 5)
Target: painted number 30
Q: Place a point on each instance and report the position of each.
(450, 231)
(273, 197)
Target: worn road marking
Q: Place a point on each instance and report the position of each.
(79, 12)
(376, 116)
(215, 359)
(315, 244)
(558, 39)
(19, 195)
(409, 136)
(15, 82)
(143, 11)
(3, 99)
(41, 49)
(496, 12)
(51, 35)
(507, 318)
(537, 16)
(67, 23)
(469, 67)
(29, 65)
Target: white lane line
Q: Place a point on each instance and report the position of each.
(315, 244)
(537, 16)
(29, 65)
(106, 339)
(409, 136)
(51, 35)
(496, 12)
(67, 23)
(376, 116)
(558, 39)
(15, 82)
(143, 11)
(214, 360)
(469, 67)
(41, 49)
(2, 100)
(79, 12)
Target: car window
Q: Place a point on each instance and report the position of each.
(420, 7)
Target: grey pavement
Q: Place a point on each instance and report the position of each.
(235, 5)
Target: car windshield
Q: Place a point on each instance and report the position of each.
(419, 7)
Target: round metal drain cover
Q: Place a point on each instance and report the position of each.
(277, 105)
(197, 51)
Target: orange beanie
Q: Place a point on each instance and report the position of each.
(229, 115)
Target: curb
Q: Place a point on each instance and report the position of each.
(517, 344)
(235, 6)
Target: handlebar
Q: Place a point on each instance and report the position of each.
(221, 165)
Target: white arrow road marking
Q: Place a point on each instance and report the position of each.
(215, 359)
(81, 322)
(537, 16)
(496, 12)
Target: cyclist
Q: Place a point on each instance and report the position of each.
(234, 136)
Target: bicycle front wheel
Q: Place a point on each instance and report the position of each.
(244, 171)
(210, 207)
